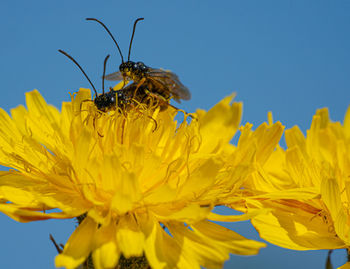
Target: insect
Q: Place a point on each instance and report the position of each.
(130, 96)
(111, 100)
(104, 101)
(161, 84)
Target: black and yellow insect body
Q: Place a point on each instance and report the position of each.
(128, 97)
(160, 83)
(105, 101)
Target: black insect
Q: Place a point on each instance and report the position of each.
(109, 100)
(162, 84)
(130, 96)
(105, 101)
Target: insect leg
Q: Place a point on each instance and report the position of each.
(138, 86)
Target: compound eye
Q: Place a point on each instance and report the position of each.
(141, 66)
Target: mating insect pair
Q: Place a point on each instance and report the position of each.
(124, 98)
(149, 85)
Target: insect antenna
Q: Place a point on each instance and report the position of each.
(110, 34)
(132, 36)
(104, 72)
(74, 61)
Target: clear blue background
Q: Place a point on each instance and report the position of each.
(290, 57)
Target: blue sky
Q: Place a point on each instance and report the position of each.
(288, 57)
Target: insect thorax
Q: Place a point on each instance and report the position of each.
(105, 102)
(133, 70)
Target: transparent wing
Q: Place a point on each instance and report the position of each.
(114, 76)
(171, 83)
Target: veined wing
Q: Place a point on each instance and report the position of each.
(171, 83)
(114, 76)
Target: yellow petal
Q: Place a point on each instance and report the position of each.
(9, 133)
(106, 253)
(198, 248)
(79, 245)
(219, 124)
(188, 213)
(204, 176)
(128, 192)
(229, 240)
(267, 139)
(347, 123)
(161, 250)
(19, 115)
(331, 197)
(9, 182)
(129, 237)
(233, 218)
(296, 229)
(295, 138)
(297, 194)
(210, 244)
(163, 194)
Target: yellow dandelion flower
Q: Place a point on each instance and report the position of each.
(145, 183)
(306, 187)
